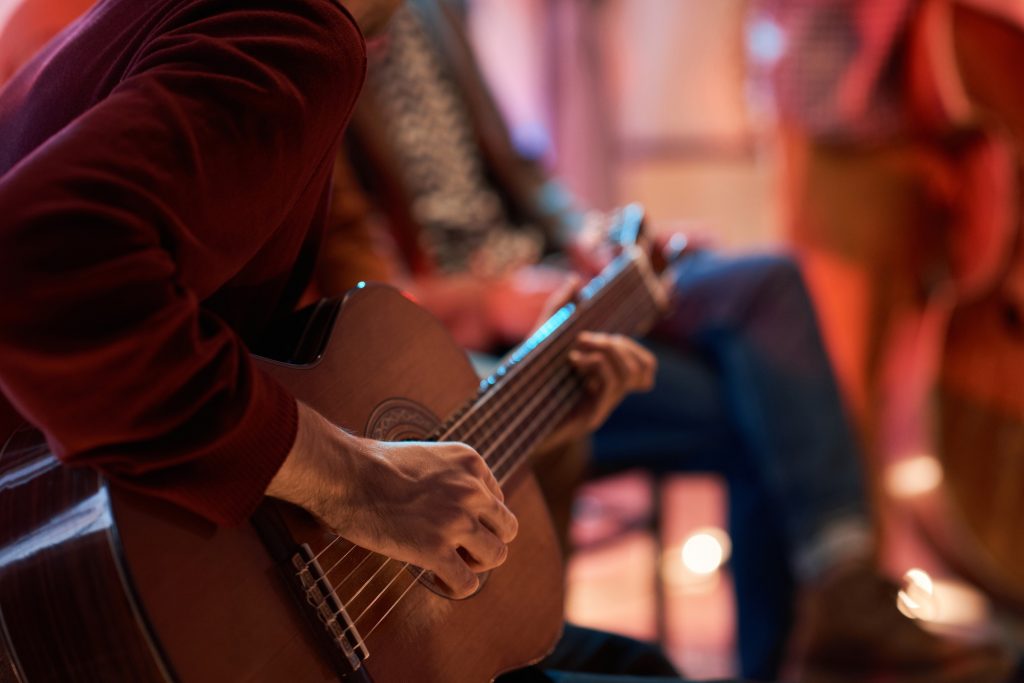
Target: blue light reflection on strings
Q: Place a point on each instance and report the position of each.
(534, 340)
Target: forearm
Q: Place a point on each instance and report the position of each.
(318, 466)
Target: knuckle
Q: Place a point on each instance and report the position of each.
(498, 555)
(463, 581)
(511, 528)
(470, 460)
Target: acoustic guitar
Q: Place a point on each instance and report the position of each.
(101, 584)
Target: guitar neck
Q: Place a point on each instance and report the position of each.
(536, 387)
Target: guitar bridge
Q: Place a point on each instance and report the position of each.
(322, 598)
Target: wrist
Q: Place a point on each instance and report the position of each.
(318, 466)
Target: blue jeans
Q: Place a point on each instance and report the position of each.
(745, 389)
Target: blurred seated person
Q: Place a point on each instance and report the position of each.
(434, 197)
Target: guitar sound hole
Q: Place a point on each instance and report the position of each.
(437, 586)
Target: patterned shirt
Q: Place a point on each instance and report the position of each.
(465, 225)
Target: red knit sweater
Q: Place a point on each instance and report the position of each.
(164, 168)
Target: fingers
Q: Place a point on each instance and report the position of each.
(452, 569)
(485, 550)
(497, 518)
(487, 477)
(480, 547)
(601, 380)
(479, 543)
(501, 522)
(612, 366)
(633, 365)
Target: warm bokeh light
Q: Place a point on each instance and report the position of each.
(917, 600)
(945, 605)
(914, 476)
(705, 550)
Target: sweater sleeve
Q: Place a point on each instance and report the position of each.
(115, 231)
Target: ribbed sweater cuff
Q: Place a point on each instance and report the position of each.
(234, 481)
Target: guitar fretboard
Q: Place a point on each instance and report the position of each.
(536, 387)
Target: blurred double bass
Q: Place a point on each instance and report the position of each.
(912, 247)
(969, 389)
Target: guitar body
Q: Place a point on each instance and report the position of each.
(99, 583)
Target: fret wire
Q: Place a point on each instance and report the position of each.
(540, 400)
(563, 407)
(630, 278)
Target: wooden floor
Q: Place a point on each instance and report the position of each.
(612, 573)
(611, 576)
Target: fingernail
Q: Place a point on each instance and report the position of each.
(575, 356)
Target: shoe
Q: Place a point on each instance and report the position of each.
(849, 629)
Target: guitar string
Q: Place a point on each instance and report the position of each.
(415, 580)
(538, 401)
(323, 550)
(337, 562)
(563, 408)
(338, 584)
(381, 594)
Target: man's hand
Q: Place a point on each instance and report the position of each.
(612, 367)
(436, 505)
